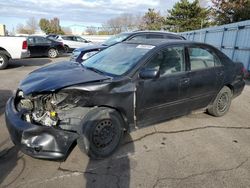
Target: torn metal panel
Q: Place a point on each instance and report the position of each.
(38, 141)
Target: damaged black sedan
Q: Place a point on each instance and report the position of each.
(127, 86)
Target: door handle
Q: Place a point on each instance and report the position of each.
(185, 80)
(220, 73)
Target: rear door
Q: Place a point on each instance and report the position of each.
(32, 46)
(42, 45)
(164, 97)
(206, 75)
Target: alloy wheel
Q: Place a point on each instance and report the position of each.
(223, 102)
(52, 53)
(1, 61)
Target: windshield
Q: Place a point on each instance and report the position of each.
(115, 39)
(117, 60)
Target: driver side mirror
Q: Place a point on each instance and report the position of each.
(149, 73)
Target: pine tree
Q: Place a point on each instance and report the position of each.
(229, 11)
(186, 16)
(152, 20)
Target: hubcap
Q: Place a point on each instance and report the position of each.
(52, 53)
(103, 134)
(223, 102)
(1, 60)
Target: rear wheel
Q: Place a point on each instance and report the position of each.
(3, 61)
(221, 103)
(101, 133)
(52, 53)
(66, 48)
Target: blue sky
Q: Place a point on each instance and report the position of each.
(75, 12)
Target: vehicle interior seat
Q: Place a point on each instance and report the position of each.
(171, 63)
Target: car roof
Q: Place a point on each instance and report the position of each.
(160, 42)
(149, 31)
(69, 35)
(36, 36)
(153, 32)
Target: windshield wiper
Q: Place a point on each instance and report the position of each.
(94, 69)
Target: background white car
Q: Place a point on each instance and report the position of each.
(71, 41)
(12, 48)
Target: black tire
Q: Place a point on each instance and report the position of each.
(101, 132)
(4, 61)
(52, 53)
(66, 48)
(221, 103)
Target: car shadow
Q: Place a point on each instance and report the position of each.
(4, 96)
(113, 171)
(247, 81)
(36, 61)
(8, 160)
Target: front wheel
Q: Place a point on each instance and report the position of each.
(52, 53)
(221, 103)
(101, 132)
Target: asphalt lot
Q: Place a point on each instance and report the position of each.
(196, 150)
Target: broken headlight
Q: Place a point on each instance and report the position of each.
(24, 105)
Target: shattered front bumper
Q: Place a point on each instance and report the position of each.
(37, 141)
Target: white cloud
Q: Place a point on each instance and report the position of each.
(95, 11)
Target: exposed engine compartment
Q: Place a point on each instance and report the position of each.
(51, 109)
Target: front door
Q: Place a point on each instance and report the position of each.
(164, 97)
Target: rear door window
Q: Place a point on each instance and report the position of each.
(201, 58)
(68, 38)
(31, 40)
(41, 40)
(80, 39)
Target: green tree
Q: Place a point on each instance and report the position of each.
(186, 16)
(229, 11)
(50, 26)
(44, 25)
(152, 20)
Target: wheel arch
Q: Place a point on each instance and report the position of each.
(230, 86)
(122, 114)
(5, 52)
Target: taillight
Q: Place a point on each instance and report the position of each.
(25, 45)
(243, 70)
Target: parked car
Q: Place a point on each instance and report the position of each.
(124, 87)
(71, 41)
(81, 54)
(41, 46)
(12, 48)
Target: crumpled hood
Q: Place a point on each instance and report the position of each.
(56, 76)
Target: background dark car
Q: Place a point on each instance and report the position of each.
(124, 87)
(81, 54)
(41, 46)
